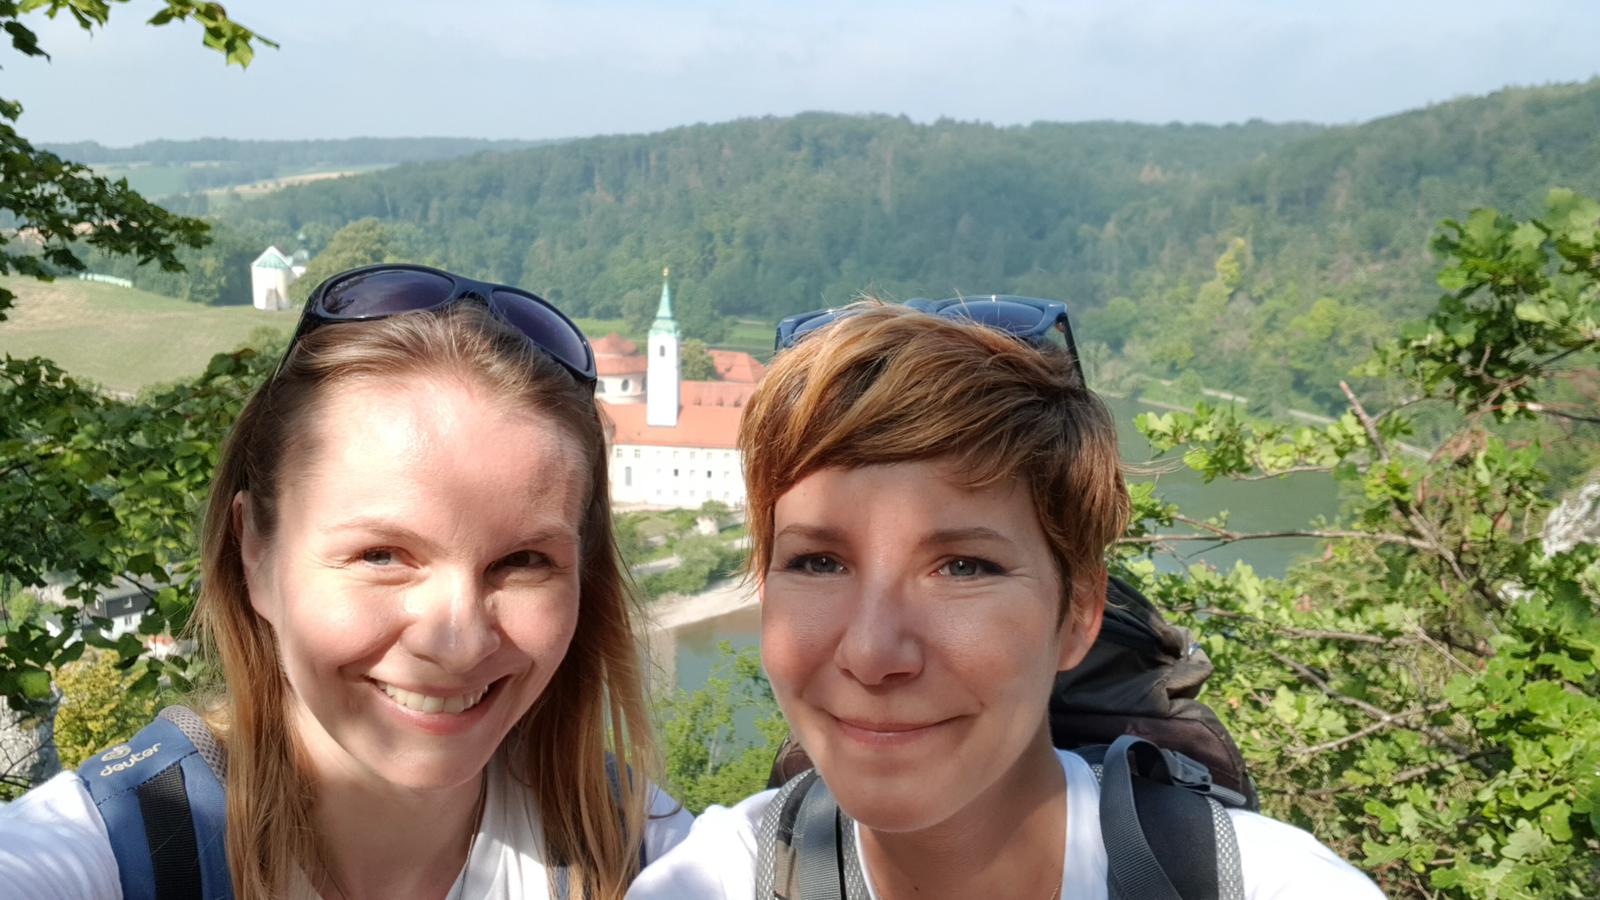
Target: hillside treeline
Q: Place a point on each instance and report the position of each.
(1254, 258)
(282, 154)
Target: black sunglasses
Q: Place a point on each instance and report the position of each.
(1027, 318)
(393, 289)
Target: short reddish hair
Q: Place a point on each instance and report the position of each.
(889, 384)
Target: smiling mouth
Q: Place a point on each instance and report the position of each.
(452, 704)
(873, 732)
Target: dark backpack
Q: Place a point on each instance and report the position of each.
(1167, 768)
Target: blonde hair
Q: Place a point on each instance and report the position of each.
(591, 715)
(888, 384)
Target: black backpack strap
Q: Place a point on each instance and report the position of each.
(169, 830)
(1166, 834)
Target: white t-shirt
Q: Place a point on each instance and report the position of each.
(54, 846)
(1277, 860)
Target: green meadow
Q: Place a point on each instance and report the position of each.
(125, 339)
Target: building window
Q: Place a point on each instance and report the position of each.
(600, 386)
(636, 453)
(624, 385)
(627, 476)
(674, 475)
(708, 473)
(661, 350)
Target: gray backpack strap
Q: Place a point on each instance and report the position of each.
(816, 844)
(1167, 836)
(806, 847)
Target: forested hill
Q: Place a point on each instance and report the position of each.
(285, 154)
(771, 215)
(1324, 230)
(764, 216)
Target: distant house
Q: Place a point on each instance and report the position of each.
(673, 442)
(270, 277)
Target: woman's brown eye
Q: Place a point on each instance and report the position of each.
(523, 559)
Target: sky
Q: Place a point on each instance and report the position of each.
(547, 69)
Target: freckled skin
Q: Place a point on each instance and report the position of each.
(910, 629)
(430, 541)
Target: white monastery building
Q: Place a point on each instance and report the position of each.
(673, 442)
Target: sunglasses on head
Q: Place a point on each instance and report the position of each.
(1027, 318)
(393, 289)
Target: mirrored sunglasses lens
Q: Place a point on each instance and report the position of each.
(801, 329)
(385, 292)
(1017, 318)
(544, 327)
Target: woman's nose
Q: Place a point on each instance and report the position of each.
(453, 624)
(880, 644)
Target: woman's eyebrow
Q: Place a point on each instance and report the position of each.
(958, 535)
(819, 533)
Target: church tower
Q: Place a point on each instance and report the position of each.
(661, 383)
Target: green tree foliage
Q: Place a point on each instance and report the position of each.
(702, 559)
(99, 489)
(695, 362)
(719, 739)
(98, 707)
(1426, 696)
(51, 204)
(361, 243)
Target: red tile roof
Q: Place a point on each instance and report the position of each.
(715, 393)
(737, 366)
(716, 427)
(614, 344)
(621, 365)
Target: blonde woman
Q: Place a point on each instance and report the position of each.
(931, 493)
(412, 590)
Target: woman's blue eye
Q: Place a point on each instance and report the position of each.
(967, 567)
(378, 556)
(815, 564)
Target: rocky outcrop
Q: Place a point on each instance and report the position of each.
(1576, 521)
(27, 748)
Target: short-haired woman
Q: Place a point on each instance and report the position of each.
(930, 501)
(412, 588)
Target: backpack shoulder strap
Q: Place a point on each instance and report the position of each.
(806, 846)
(1167, 833)
(164, 811)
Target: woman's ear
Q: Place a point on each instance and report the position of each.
(252, 552)
(1085, 611)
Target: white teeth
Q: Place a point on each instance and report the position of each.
(429, 703)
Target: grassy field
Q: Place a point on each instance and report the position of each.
(124, 338)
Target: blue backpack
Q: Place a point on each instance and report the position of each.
(161, 797)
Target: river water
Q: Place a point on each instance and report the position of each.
(1284, 504)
